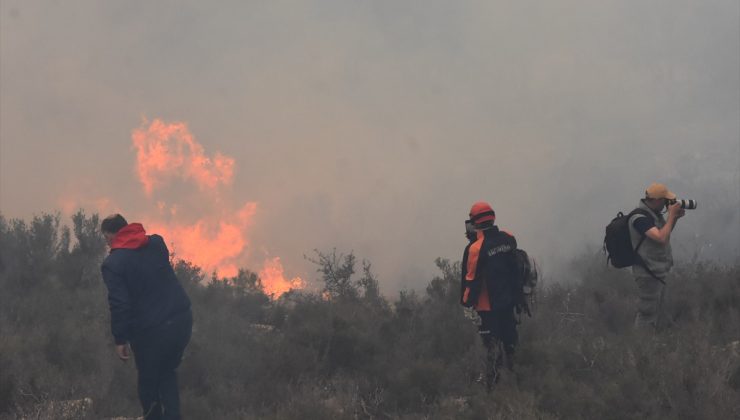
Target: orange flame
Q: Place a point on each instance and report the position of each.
(215, 239)
(274, 281)
(169, 150)
(217, 242)
(211, 246)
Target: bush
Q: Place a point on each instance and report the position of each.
(348, 352)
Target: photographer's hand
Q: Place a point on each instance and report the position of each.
(675, 211)
(663, 234)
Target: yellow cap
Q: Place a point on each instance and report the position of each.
(657, 190)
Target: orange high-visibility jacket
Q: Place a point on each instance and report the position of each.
(489, 271)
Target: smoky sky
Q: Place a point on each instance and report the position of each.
(373, 126)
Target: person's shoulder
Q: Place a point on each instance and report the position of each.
(507, 233)
(505, 241)
(498, 242)
(643, 224)
(639, 212)
(641, 215)
(155, 238)
(156, 244)
(505, 236)
(115, 259)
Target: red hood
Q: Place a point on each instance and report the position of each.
(131, 236)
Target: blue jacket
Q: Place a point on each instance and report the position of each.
(143, 291)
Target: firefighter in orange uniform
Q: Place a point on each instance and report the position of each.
(488, 285)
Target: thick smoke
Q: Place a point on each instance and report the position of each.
(374, 126)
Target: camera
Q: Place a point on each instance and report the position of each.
(685, 204)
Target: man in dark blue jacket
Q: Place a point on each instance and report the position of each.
(150, 311)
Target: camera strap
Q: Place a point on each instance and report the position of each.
(643, 263)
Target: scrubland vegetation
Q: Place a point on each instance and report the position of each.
(353, 353)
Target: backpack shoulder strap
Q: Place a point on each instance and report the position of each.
(642, 213)
(642, 263)
(638, 211)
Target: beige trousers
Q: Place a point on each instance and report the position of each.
(650, 301)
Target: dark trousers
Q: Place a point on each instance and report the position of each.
(498, 332)
(500, 325)
(158, 353)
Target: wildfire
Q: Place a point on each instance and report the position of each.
(212, 246)
(164, 151)
(216, 241)
(273, 278)
(214, 235)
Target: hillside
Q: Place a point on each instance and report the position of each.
(354, 353)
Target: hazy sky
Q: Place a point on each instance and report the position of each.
(374, 125)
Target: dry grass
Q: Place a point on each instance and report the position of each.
(363, 356)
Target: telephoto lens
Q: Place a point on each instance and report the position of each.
(687, 204)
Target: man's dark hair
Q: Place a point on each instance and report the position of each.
(113, 223)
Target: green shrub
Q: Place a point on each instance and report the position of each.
(349, 352)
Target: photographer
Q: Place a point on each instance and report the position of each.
(650, 234)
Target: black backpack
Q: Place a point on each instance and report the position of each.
(526, 278)
(617, 242)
